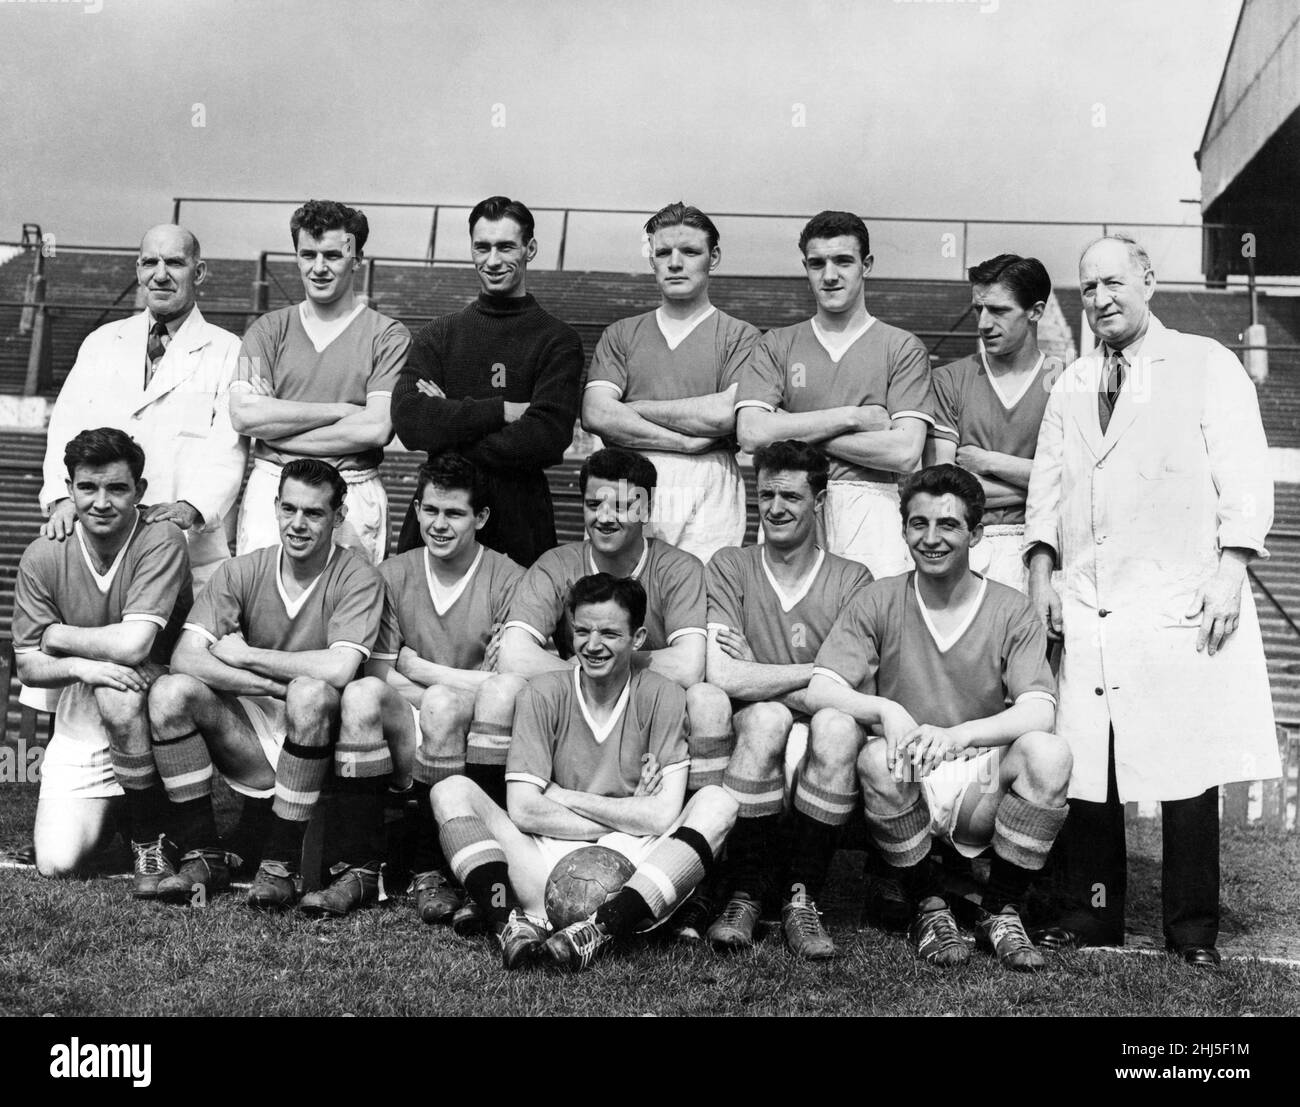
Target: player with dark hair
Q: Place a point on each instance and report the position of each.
(598, 755)
(770, 608)
(953, 668)
(96, 616)
(855, 387)
(425, 688)
(989, 406)
(664, 383)
(255, 689)
(316, 381)
(497, 382)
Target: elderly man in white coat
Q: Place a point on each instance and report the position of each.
(162, 376)
(1151, 490)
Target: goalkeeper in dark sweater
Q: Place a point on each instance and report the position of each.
(498, 382)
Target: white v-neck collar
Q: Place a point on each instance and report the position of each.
(600, 733)
(789, 599)
(444, 598)
(1008, 402)
(104, 581)
(677, 331)
(320, 333)
(945, 644)
(837, 345)
(636, 572)
(292, 607)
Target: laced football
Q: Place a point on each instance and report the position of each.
(582, 881)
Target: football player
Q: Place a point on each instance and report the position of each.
(96, 616)
(952, 667)
(850, 384)
(255, 687)
(770, 608)
(444, 606)
(989, 406)
(598, 755)
(664, 383)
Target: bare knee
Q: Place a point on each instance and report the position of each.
(834, 740)
(362, 702)
(1047, 763)
(496, 698)
(119, 709)
(453, 797)
(873, 767)
(712, 811)
(708, 706)
(172, 697)
(762, 731)
(310, 706)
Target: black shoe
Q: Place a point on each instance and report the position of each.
(1201, 957)
(1058, 938)
(887, 906)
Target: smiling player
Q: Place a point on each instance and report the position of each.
(598, 755)
(664, 383)
(953, 668)
(855, 387)
(989, 406)
(316, 381)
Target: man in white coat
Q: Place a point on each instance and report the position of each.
(1151, 491)
(162, 376)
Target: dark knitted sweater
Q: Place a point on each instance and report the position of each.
(495, 350)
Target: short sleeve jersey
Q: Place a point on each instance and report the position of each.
(781, 628)
(149, 580)
(673, 581)
(363, 360)
(555, 738)
(341, 607)
(635, 360)
(884, 645)
(969, 410)
(457, 635)
(790, 369)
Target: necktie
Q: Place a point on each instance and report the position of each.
(155, 350)
(1106, 399)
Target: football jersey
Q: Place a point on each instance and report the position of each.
(341, 607)
(673, 581)
(555, 738)
(790, 369)
(634, 358)
(884, 644)
(148, 580)
(362, 360)
(781, 628)
(971, 410)
(456, 636)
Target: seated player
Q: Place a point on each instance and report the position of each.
(953, 669)
(770, 607)
(617, 488)
(583, 742)
(444, 606)
(96, 616)
(255, 688)
(989, 406)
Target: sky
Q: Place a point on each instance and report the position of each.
(1085, 110)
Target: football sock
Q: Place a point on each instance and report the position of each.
(361, 755)
(904, 842)
(663, 880)
(429, 768)
(479, 863)
(298, 780)
(709, 756)
(147, 809)
(254, 825)
(1023, 833)
(491, 778)
(426, 852)
(753, 845)
(487, 744)
(355, 827)
(184, 765)
(815, 832)
(194, 825)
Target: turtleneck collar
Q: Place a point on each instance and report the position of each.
(504, 305)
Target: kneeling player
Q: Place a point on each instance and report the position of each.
(770, 608)
(95, 616)
(934, 657)
(581, 741)
(255, 687)
(444, 604)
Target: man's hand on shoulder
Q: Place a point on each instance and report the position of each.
(59, 525)
(183, 514)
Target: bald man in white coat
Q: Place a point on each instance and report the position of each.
(1151, 490)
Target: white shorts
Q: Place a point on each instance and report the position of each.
(267, 718)
(365, 529)
(998, 556)
(796, 748)
(945, 791)
(554, 850)
(78, 763)
(699, 501)
(863, 523)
